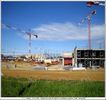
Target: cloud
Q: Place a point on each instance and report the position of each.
(66, 31)
(98, 30)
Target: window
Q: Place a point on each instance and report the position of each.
(79, 54)
(101, 54)
(86, 54)
(93, 54)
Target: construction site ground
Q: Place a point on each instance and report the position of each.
(25, 70)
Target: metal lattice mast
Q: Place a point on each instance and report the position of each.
(22, 31)
(89, 31)
(30, 44)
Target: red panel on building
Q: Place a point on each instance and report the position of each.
(67, 61)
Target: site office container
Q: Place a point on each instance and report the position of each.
(67, 61)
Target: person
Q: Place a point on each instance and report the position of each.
(75, 64)
(46, 68)
(15, 65)
(7, 67)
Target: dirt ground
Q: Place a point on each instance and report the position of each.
(57, 75)
(20, 71)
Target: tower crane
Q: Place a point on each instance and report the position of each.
(98, 3)
(89, 31)
(30, 34)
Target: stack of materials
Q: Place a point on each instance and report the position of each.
(39, 67)
(55, 67)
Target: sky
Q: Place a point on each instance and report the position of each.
(55, 23)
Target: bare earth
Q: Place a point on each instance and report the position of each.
(25, 70)
(57, 75)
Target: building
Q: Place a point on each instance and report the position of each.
(89, 58)
(68, 58)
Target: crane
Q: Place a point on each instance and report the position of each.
(89, 32)
(91, 3)
(22, 31)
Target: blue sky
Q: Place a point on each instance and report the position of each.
(56, 24)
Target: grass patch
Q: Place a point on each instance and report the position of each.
(46, 88)
(11, 87)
